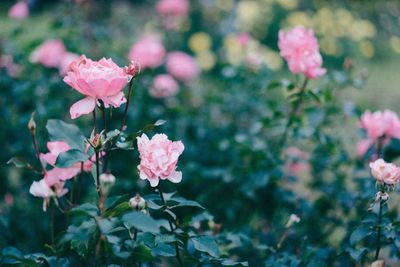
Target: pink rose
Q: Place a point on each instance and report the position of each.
(56, 174)
(49, 53)
(380, 124)
(244, 38)
(164, 85)
(43, 190)
(97, 80)
(384, 172)
(175, 8)
(148, 51)
(182, 66)
(158, 158)
(300, 49)
(363, 146)
(66, 61)
(19, 11)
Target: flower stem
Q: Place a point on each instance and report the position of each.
(178, 257)
(293, 113)
(378, 238)
(128, 100)
(37, 152)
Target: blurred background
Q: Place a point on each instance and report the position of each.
(225, 103)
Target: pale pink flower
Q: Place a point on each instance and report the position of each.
(244, 38)
(43, 190)
(148, 51)
(19, 10)
(379, 124)
(49, 53)
(158, 158)
(176, 8)
(300, 49)
(384, 172)
(182, 66)
(164, 85)
(97, 80)
(66, 61)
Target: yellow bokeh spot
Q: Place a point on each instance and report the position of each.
(329, 46)
(299, 18)
(288, 4)
(395, 44)
(199, 42)
(206, 60)
(367, 49)
(225, 5)
(248, 12)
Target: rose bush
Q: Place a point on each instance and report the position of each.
(265, 169)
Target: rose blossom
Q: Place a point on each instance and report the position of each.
(384, 172)
(43, 190)
(300, 49)
(97, 80)
(164, 86)
(158, 158)
(378, 124)
(363, 146)
(172, 12)
(66, 61)
(182, 66)
(56, 174)
(148, 51)
(19, 10)
(49, 53)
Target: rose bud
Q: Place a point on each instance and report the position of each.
(137, 203)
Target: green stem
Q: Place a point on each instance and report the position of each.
(178, 257)
(378, 238)
(293, 113)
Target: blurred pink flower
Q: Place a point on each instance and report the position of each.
(19, 10)
(244, 38)
(66, 61)
(164, 85)
(363, 146)
(148, 51)
(182, 66)
(379, 124)
(8, 199)
(49, 53)
(158, 158)
(297, 161)
(384, 172)
(7, 62)
(97, 80)
(300, 49)
(175, 8)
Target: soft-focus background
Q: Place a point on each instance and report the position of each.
(223, 115)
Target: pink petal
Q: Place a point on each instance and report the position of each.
(84, 106)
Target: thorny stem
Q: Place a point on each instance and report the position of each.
(293, 114)
(178, 257)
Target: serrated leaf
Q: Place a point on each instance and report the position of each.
(359, 234)
(141, 222)
(165, 250)
(70, 157)
(117, 210)
(85, 209)
(206, 244)
(69, 133)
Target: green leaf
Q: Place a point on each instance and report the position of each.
(359, 234)
(142, 253)
(206, 244)
(141, 222)
(20, 163)
(70, 157)
(117, 210)
(85, 209)
(182, 202)
(69, 133)
(165, 250)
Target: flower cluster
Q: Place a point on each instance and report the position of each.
(300, 49)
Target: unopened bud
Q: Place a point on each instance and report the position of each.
(133, 68)
(381, 196)
(32, 124)
(96, 140)
(292, 220)
(107, 180)
(137, 202)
